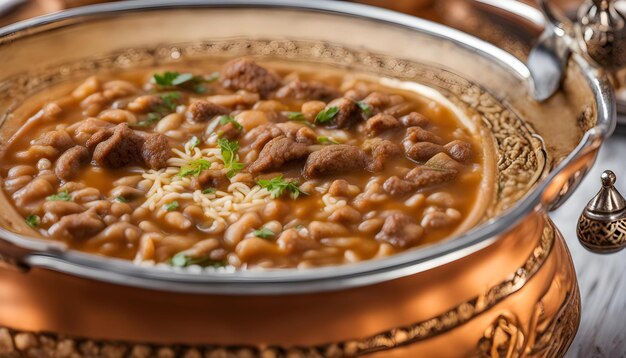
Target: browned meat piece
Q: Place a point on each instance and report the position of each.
(377, 100)
(201, 111)
(382, 151)
(335, 159)
(263, 134)
(396, 186)
(417, 134)
(98, 137)
(417, 178)
(121, 149)
(228, 131)
(380, 123)
(306, 135)
(245, 74)
(69, 163)
(443, 161)
(77, 226)
(211, 178)
(290, 129)
(307, 91)
(59, 140)
(276, 153)
(400, 230)
(155, 151)
(459, 150)
(414, 119)
(90, 125)
(423, 151)
(347, 115)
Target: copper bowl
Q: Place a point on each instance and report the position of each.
(504, 286)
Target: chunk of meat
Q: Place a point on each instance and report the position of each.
(380, 123)
(201, 111)
(348, 113)
(100, 136)
(443, 161)
(211, 178)
(400, 230)
(378, 100)
(422, 151)
(69, 163)
(335, 159)
(228, 131)
(417, 178)
(121, 149)
(290, 241)
(155, 151)
(382, 151)
(244, 73)
(77, 226)
(307, 90)
(418, 134)
(263, 134)
(459, 150)
(59, 140)
(276, 153)
(414, 119)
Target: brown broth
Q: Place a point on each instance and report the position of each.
(158, 241)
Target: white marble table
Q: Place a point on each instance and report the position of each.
(602, 278)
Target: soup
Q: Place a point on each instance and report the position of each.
(240, 165)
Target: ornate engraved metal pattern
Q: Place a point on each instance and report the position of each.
(504, 338)
(19, 343)
(603, 236)
(521, 159)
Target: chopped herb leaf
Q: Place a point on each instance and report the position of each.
(151, 119)
(181, 259)
(326, 115)
(184, 80)
(299, 227)
(225, 119)
(171, 206)
(169, 100)
(324, 140)
(194, 167)
(193, 142)
(60, 196)
(264, 233)
(365, 108)
(229, 156)
(121, 199)
(32, 220)
(277, 186)
(209, 191)
(297, 117)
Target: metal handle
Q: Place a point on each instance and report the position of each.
(602, 225)
(601, 33)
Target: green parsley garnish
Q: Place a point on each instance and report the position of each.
(297, 117)
(264, 233)
(230, 157)
(121, 199)
(209, 191)
(32, 220)
(193, 142)
(299, 227)
(326, 115)
(171, 206)
(169, 102)
(185, 81)
(365, 108)
(60, 196)
(194, 167)
(225, 119)
(277, 186)
(324, 140)
(183, 260)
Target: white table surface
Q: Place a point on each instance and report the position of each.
(602, 278)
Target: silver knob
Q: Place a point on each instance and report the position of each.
(601, 33)
(602, 225)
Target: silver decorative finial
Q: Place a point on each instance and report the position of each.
(602, 224)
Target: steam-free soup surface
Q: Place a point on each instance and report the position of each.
(242, 165)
